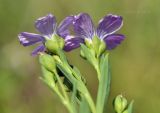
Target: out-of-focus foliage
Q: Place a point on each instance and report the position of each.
(135, 64)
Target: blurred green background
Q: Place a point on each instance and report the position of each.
(135, 64)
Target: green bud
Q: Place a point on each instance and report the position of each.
(120, 103)
(49, 77)
(48, 62)
(54, 44)
(125, 111)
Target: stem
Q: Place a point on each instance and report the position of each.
(104, 83)
(98, 71)
(61, 85)
(86, 93)
(89, 100)
(65, 63)
(65, 103)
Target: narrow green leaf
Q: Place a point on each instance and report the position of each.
(74, 97)
(64, 71)
(129, 108)
(78, 73)
(104, 84)
(84, 107)
(70, 77)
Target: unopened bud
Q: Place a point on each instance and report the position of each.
(120, 103)
(125, 111)
(47, 61)
(49, 77)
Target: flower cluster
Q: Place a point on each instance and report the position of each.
(65, 79)
(83, 28)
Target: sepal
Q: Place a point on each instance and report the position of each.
(54, 44)
(88, 54)
(96, 45)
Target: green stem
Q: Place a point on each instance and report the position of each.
(61, 85)
(67, 101)
(89, 100)
(65, 63)
(86, 93)
(97, 70)
(104, 82)
(63, 100)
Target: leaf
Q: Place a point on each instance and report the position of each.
(84, 107)
(130, 107)
(70, 77)
(78, 73)
(73, 97)
(104, 84)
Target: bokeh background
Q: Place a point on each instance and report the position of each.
(135, 64)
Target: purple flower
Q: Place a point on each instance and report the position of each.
(84, 28)
(47, 26)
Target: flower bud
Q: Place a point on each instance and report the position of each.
(120, 103)
(49, 77)
(47, 61)
(125, 111)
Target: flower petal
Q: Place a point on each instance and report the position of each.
(63, 29)
(83, 26)
(46, 25)
(109, 25)
(27, 39)
(40, 48)
(113, 40)
(72, 43)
